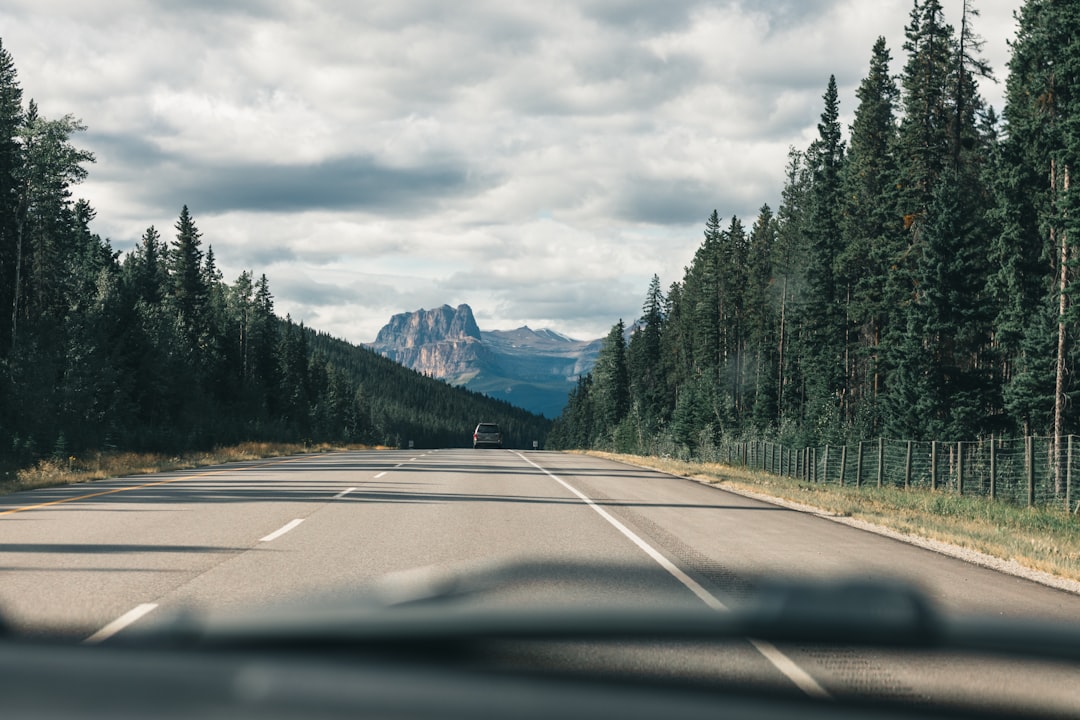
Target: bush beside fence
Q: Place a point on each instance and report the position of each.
(1032, 471)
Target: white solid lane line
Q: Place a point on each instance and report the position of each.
(704, 595)
(794, 673)
(779, 660)
(282, 530)
(120, 623)
(343, 493)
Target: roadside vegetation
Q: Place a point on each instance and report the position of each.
(1043, 539)
(50, 472)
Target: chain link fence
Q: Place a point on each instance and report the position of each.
(1032, 471)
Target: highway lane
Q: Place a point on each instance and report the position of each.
(76, 560)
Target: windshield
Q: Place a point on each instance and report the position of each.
(758, 312)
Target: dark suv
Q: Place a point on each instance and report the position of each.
(487, 435)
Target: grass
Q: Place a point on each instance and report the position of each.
(100, 465)
(1038, 538)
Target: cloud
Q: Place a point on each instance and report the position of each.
(539, 161)
(346, 183)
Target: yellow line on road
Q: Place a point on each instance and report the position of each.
(61, 501)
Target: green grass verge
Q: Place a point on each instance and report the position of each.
(100, 465)
(1038, 538)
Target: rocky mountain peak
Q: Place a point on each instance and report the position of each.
(425, 327)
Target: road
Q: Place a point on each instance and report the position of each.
(89, 561)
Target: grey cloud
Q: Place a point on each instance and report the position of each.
(125, 150)
(264, 255)
(784, 15)
(346, 183)
(341, 183)
(643, 18)
(678, 201)
(312, 293)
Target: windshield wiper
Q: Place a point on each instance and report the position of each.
(435, 611)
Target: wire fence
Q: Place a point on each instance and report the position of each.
(1032, 471)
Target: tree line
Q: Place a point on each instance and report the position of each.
(917, 281)
(154, 350)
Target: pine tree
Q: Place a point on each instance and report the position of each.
(873, 241)
(611, 379)
(760, 369)
(951, 312)
(262, 345)
(45, 221)
(11, 169)
(790, 263)
(823, 312)
(929, 113)
(189, 288)
(644, 360)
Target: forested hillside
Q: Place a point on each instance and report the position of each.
(917, 281)
(154, 350)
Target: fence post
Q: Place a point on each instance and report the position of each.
(813, 463)
(933, 464)
(825, 467)
(907, 466)
(1068, 475)
(959, 468)
(858, 467)
(1029, 468)
(843, 463)
(993, 468)
(880, 461)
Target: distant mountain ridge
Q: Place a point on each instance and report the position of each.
(533, 369)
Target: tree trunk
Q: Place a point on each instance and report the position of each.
(780, 362)
(1059, 380)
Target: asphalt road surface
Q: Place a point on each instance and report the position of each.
(92, 560)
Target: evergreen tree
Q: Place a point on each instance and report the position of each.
(873, 241)
(45, 220)
(760, 368)
(823, 308)
(189, 284)
(644, 360)
(790, 263)
(611, 379)
(11, 167)
(929, 113)
(262, 338)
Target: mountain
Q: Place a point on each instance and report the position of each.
(532, 369)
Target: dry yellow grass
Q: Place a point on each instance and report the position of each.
(101, 465)
(1039, 538)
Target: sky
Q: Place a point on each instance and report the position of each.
(538, 160)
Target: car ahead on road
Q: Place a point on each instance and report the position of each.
(487, 435)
